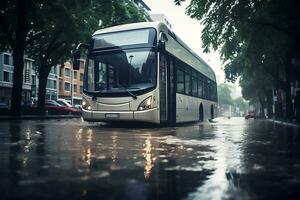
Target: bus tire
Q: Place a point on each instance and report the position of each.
(212, 114)
(201, 117)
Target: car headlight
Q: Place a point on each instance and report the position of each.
(85, 105)
(146, 104)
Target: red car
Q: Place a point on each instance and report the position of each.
(250, 114)
(51, 107)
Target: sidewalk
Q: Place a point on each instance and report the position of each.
(43, 117)
(285, 123)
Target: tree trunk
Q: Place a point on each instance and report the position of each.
(18, 56)
(270, 104)
(43, 75)
(262, 108)
(16, 97)
(288, 97)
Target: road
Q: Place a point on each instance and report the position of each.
(71, 159)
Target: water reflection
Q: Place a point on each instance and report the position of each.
(149, 157)
(114, 152)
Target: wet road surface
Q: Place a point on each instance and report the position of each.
(71, 159)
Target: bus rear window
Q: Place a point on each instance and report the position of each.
(125, 38)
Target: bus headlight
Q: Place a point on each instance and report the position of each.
(85, 105)
(146, 104)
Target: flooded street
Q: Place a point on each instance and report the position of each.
(70, 159)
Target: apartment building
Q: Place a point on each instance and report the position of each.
(71, 83)
(6, 77)
(52, 84)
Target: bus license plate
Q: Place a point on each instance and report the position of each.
(112, 115)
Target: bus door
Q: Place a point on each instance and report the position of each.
(167, 89)
(171, 90)
(163, 88)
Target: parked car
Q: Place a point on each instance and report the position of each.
(250, 114)
(64, 102)
(51, 107)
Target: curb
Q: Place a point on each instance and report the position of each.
(284, 123)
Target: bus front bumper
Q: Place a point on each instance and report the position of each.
(151, 115)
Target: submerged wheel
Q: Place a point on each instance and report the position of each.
(201, 116)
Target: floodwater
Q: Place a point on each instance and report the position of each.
(71, 159)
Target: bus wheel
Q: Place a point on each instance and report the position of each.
(201, 113)
(212, 112)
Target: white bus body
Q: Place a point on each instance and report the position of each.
(171, 85)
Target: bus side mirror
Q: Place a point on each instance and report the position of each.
(161, 46)
(162, 42)
(76, 59)
(76, 55)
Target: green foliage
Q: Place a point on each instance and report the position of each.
(241, 104)
(224, 94)
(257, 40)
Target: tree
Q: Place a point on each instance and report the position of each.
(14, 29)
(224, 94)
(261, 35)
(241, 104)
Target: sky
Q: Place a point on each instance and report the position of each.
(189, 30)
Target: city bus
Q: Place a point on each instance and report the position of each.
(142, 72)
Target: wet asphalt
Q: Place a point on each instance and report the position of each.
(71, 159)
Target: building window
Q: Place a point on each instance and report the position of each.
(67, 72)
(81, 76)
(81, 64)
(75, 88)
(33, 79)
(54, 84)
(6, 59)
(75, 74)
(67, 86)
(52, 70)
(6, 76)
(81, 89)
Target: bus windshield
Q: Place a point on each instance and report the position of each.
(145, 37)
(120, 71)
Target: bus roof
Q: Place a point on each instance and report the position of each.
(128, 27)
(158, 25)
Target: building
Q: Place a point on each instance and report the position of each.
(6, 78)
(142, 5)
(162, 18)
(71, 83)
(51, 87)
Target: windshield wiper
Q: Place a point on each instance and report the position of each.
(131, 94)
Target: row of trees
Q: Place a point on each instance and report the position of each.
(47, 31)
(239, 105)
(258, 41)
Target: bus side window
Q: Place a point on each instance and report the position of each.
(194, 86)
(200, 88)
(180, 80)
(187, 78)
